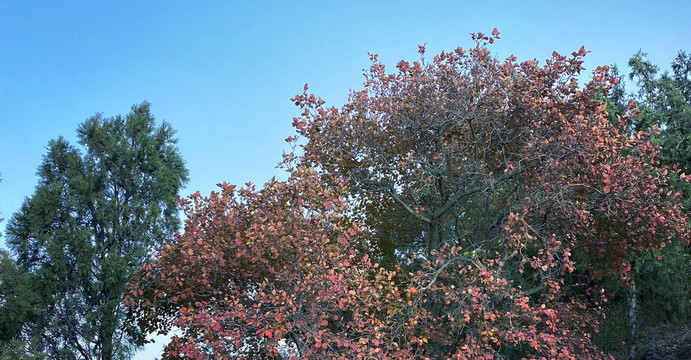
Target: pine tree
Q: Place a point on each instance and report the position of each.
(89, 225)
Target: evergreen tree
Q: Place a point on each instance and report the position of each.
(19, 304)
(89, 226)
(665, 101)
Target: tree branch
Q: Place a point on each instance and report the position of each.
(417, 215)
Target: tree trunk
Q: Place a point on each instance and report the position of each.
(433, 235)
(633, 321)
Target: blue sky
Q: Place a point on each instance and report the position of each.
(222, 72)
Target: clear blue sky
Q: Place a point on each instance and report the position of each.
(222, 72)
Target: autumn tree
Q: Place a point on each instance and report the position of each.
(266, 273)
(88, 227)
(486, 195)
(459, 150)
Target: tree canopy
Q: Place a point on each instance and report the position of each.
(462, 207)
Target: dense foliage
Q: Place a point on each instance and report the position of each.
(463, 207)
(660, 283)
(85, 231)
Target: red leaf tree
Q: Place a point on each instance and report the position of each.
(488, 194)
(261, 273)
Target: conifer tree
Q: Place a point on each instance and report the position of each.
(89, 226)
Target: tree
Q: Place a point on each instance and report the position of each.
(89, 226)
(665, 101)
(487, 195)
(463, 142)
(660, 279)
(259, 273)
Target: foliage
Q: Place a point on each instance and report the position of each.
(664, 290)
(663, 101)
(463, 143)
(20, 349)
(17, 298)
(270, 273)
(19, 303)
(88, 227)
(483, 197)
(256, 273)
